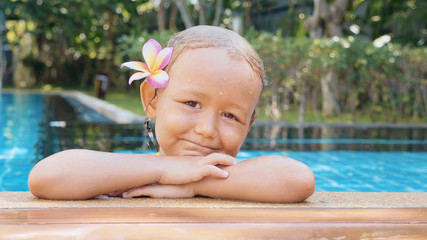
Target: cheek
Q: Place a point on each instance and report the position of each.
(171, 121)
(232, 137)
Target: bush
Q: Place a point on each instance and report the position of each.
(390, 80)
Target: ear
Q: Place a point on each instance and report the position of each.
(148, 99)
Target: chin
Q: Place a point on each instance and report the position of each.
(193, 153)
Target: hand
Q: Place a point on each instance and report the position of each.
(116, 193)
(188, 169)
(161, 191)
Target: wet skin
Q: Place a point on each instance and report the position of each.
(208, 105)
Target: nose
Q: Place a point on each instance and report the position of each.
(206, 125)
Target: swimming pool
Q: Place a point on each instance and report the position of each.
(343, 158)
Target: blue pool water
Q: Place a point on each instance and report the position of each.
(357, 171)
(20, 126)
(342, 158)
(360, 171)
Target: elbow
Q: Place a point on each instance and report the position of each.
(305, 184)
(298, 183)
(46, 183)
(39, 182)
(47, 178)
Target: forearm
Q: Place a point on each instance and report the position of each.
(268, 179)
(82, 174)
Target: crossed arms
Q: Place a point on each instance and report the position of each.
(84, 174)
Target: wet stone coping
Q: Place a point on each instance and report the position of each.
(319, 200)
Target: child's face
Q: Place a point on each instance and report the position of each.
(208, 105)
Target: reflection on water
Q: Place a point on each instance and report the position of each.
(269, 137)
(290, 137)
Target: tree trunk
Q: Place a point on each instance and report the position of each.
(275, 111)
(86, 72)
(172, 16)
(302, 104)
(423, 90)
(202, 12)
(327, 19)
(328, 84)
(218, 12)
(161, 16)
(247, 5)
(23, 75)
(2, 62)
(185, 15)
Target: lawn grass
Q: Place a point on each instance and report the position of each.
(128, 100)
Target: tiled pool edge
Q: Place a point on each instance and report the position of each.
(319, 200)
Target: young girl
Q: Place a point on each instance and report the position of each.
(204, 106)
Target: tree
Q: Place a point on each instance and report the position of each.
(161, 16)
(327, 19)
(2, 61)
(218, 12)
(74, 39)
(185, 14)
(202, 12)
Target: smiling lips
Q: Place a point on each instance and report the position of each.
(204, 149)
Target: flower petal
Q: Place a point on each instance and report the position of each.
(159, 79)
(140, 66)
(138, 75)
(150, 50)
(163, 58)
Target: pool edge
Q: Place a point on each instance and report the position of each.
(319, 200)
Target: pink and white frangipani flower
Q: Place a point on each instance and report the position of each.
(156, 59)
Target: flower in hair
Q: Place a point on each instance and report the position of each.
(156, 59)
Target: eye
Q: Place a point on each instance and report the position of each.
(230, 116)
(192, 104)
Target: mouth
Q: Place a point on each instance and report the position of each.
(198, 148)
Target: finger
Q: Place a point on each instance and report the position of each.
(136, 192)
(159, 191)
(213, 171)
(115, 193)
(219, 159)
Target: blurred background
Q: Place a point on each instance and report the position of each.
(351, 61)
(341, 74)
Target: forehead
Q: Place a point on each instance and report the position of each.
(214, 64)
(214, 72)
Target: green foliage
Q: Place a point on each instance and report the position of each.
(74, 40)
(389, 80)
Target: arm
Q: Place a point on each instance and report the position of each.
(83, 174)
(266, 178)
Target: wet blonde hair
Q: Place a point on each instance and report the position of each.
(210, 36)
